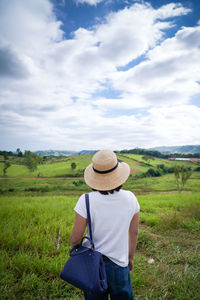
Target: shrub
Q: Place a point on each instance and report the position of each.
(197, 169)
(79, 182)
(153, 173)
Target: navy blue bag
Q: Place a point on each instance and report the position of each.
(85, 268)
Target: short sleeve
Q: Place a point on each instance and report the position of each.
(80, 207)
(137, 207)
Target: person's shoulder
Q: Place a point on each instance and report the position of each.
(89, 193)
(82, 196)
(130, 196)
(132, 201)
(92, 194)
(128, 193)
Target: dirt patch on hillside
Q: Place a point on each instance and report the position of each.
(133, 170)
(138, 163)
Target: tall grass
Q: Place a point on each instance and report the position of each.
(29, 232)
(62, 186)
(34, 245)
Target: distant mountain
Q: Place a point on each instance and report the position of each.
(63, 153)
(87, 152)
(178, 149)
(163, 149)
(55, 153)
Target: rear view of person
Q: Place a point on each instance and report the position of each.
(115, 220)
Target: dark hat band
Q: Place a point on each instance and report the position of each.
(107, 171)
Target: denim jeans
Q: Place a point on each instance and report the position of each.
(119, 283)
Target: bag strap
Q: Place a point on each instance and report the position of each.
(88, 214)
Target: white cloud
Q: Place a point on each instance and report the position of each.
(54, 106)
(90, 2)
(170, 74)
(29, 26)
(176, 124)
(161, 126)
(172, 10)
(92, 56)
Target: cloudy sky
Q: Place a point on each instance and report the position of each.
(94, 74)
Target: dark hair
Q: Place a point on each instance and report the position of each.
(117, 189)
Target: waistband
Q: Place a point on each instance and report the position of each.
(106, 259)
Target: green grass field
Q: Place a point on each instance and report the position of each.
(48, 169)
(62, 186)
(31, 260)
(62, 167)
(157, 161)
(37, 218)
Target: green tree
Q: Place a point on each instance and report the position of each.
(19, 152)
(5, 156)
(162, 169)
(185, 175)
(27, 153)
(177, 171)
(32, 160)
(7, 164)
(181, 175)
(73, 165)
(147, 158)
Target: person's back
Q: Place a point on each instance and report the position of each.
(115, 219)
(110, 216)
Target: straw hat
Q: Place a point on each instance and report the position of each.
(106, 172)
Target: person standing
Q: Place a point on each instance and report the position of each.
(115, 221)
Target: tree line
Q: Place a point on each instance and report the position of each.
(158, 154)
(140, 151)
(31, 160)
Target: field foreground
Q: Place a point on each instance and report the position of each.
(34, 246)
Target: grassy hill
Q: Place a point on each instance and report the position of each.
(50, 168)
(52, 173)
(62, 167)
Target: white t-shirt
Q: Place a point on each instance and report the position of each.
(110, 217)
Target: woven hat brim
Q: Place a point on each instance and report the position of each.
(109, 181)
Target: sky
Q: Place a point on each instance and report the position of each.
(99, 74)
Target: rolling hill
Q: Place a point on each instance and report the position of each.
(178, 149)
(193, 149)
